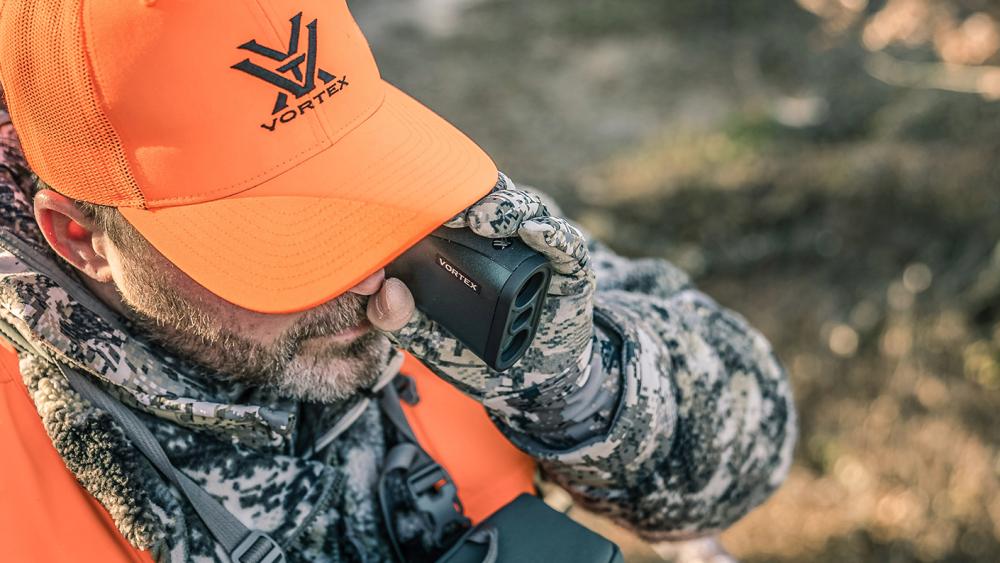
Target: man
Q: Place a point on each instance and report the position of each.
(223, 185)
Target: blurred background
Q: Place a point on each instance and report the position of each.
(828, 168)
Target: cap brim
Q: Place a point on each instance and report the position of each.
(318, 229)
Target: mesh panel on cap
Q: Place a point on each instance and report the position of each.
(65, 135)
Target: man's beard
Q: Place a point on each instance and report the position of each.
(295, 366)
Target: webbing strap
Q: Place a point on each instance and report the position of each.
(242, 544)
(389, 402)
(413, 482)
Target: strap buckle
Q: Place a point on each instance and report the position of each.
(406, 388)
(257, 547)
(434, 494)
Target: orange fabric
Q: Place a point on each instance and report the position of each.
(488, 471)
(45, 515)
(278, 173)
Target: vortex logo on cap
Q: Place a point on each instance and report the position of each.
(289, 75)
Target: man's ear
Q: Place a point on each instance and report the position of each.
(72, 235)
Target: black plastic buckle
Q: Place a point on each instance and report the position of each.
(422, 479)
(250, 546)
(406, 388)
(439, 504)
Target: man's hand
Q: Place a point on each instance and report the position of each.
(563, 343)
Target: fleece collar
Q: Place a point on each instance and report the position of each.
(238, 443)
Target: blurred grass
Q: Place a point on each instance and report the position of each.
(853, 221)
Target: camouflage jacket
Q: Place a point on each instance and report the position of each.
(699, 429)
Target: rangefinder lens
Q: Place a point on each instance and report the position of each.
(529, 291)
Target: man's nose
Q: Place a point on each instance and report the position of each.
(371, 284)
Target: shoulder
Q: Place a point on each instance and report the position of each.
(42, 499)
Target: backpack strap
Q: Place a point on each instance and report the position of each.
(243, 544)
(415, 489)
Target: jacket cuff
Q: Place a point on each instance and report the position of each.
(641, 411)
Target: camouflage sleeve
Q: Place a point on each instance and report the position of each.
(11, 159)
(690, 422)
(14, 171)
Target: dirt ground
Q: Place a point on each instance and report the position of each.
(809, 174)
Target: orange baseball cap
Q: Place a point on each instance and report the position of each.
(253, 143)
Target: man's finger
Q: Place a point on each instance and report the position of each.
(562, 243)
(393, 312)
(391, 307)
(459, 220)
(500, 213)
(434, 346)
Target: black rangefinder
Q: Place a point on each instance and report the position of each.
(488, 293)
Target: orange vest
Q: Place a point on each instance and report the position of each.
(46, 516)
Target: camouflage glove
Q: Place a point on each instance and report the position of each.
(563, 344)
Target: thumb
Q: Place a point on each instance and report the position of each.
(392, 311)
(391, 307)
